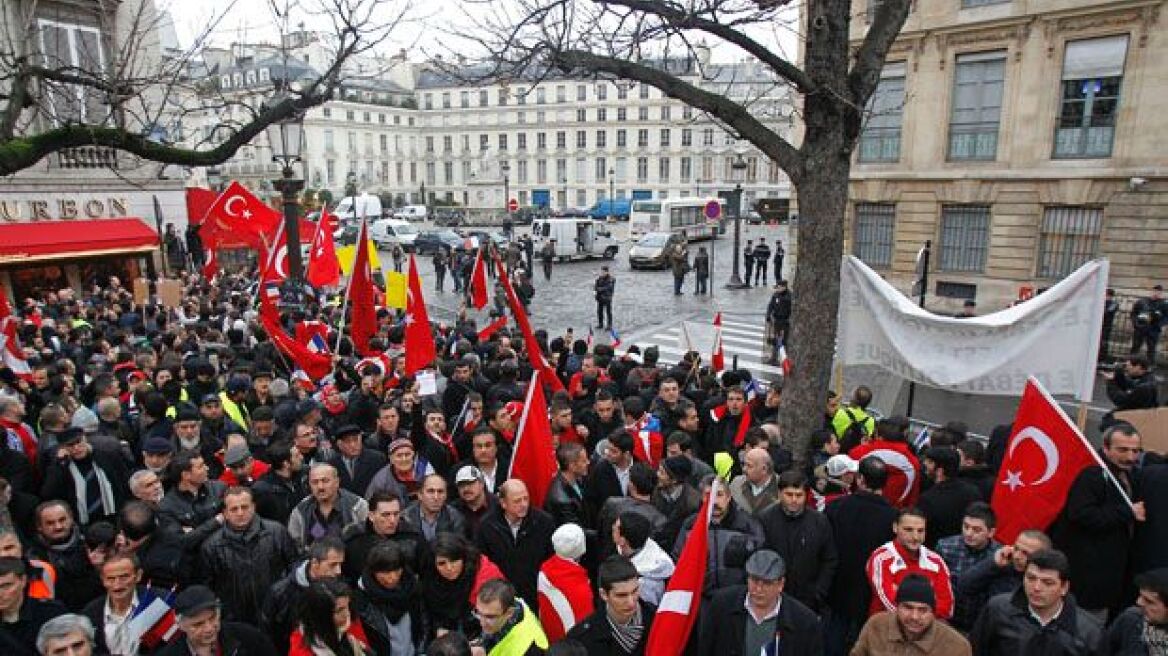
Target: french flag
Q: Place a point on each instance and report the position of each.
(616, 341)
(317, 344)
(271, 290)
(153, 623)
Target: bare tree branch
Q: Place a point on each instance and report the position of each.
(885, 27)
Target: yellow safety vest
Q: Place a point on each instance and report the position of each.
(183, 397)
(237, 412)
(521, 636)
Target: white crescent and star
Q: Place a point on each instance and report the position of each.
(227, 206)
(1050, 453)
(898, 460)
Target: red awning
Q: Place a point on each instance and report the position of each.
(51, 240)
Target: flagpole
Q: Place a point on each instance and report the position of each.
(523, 419)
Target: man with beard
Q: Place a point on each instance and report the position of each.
(189, 436)
(912, 627)
(58, 542)
(283, 486)
(474, 501)
(384, 526)
(92, 482)
(244, 557)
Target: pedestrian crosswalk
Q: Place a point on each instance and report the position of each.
(742, 336)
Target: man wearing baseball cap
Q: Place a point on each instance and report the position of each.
(197, 610)
(912, 628)
(751, 618)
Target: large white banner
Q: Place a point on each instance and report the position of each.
(1053, 336)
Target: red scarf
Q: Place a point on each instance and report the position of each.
(719, 413)
(28, 441)
(447, 441)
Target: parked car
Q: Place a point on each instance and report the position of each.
(652, 250)
(411, 213)
(387, 232)
(753, 218)
(366, 205)
(429, 241)
(481, 236)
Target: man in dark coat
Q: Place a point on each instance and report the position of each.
(385, 525)
(519, 552)
(605, 288)
(82, 476)
(620, 589)
(279, 490)
(945, 501)
(1152, 534)
(58, 541)
(861, 522)
(803, 537)
(1143, 629)
(1132, 387)
(565, 498)
(1041, 617)
(204, 631)
(21, 618)
(326, 556)
(245, 557)
(748, 619)
(1096, 524)
(356, 465)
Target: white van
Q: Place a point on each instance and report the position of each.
(368, 206)
(387, 232)
(576, 238)
(411, 213)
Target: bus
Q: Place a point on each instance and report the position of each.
(686, 215)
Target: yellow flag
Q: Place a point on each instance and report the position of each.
(395, 290)
(345, 256)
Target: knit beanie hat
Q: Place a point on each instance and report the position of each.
(916, 589)
(679, 467)
(568, 541)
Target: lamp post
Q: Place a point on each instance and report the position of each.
(736, 168)
(564, 196)
(611, 193)
(286, 138)
(505, 169)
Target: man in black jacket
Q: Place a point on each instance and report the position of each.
(92, 482)
(279, 490)
(605, 288)
(1131, 388)
(803, 537)
(204, 632)
(1141, 629)
(565, 498)
(356, 465)
(58, 541)
(21, 618)
(861, 522)
(245, 556)
(278, 616)
(385, 525)
(518, 538)
(945, 501)
(620, 589)
(748, 619)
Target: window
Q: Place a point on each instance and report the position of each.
(521, 141)
(601, 139)
(581, 197)
(413, 172)
(621, 170)
(621, 138)
(642, 113)
(977, 106)
(540, 117)
(541, 140)
(1092, 76)
(383, 142)
(561, 139)
(622, 90)
(541, 171)
(687, 113)
(880, 140)
(560, 93)
(642, 138)
(645, 88)
(708, 137)
(581, 92)
(328, 140)
(665, 113)
(330, 170)
(521, 96)
(581, 139)
(447, 143)
(326, 112)
(601, 115)
(446, 100)
(642, 169)
(602, 91)
(581, 115)
(540, 96)
(429, 144)
(400, 177)
(502, 95)
(352, 141)
(465, 142)
(873, 232)
(448, 172)
(482, 97)
(431, 178)
(665, 137)
(484, 141)
(503, 141)
(663, 169)
(521, 171)
(381, 119)
(383, 174)
(581, 169)
(561, 169)
(521, 117)
(621, 114)
(1069, 239)
(368, 118)
(601, 169)
(73, 47)
(428, 101)
(965, 231)
(686, 171)
(464, 99)
(686, 137)
(707, 169)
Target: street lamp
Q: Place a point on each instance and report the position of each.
(564, 195)
(505, 169)
(286, 138)
(611, 194)
(736, 169)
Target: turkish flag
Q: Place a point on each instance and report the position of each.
(492, 328)
(534, 354)
(210, 262)
(316, 365)
(1044, 455)
(420, 348)
(682, 600)
(534, 458)
(478, 281)
(565, 596)
(275, 257)
(903, 467)
(199, 202)
(239, 214)
(324, 269)
(362, 297)
(718, 359)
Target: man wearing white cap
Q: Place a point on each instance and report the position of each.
(474, 501)
(565, 596)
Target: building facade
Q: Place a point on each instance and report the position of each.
(1020, 138)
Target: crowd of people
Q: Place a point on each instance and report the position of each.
(170, 484)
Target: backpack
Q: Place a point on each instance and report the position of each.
(854, 434)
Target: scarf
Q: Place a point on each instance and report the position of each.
(94, 492)
(449, 601)
(1155, 638)
(21, 438)
(447, 441)
(392, 602)
(627, 636)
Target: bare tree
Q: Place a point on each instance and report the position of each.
(636, 39)
(109, 84)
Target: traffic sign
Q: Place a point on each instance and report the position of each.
(713, 210)
(512, 205)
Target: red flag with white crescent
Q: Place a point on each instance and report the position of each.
(420, 347)
(478, 280)
(362, 297)
(275, 258)
(1044, 456)
(324, 269)
(718, 359)
(238, 213)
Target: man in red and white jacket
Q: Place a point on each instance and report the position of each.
(904, 555)
(565, 594)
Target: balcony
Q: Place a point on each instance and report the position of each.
(87, 157)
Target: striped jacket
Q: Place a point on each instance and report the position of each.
(890, 563)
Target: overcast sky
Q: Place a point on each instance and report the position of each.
(423, 35)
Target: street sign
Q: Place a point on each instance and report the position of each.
(512, 205)
(713, 210)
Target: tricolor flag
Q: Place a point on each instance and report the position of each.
(678, 610)
(316, 344)
(615, 337)
(153, 623)
(272, 290)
